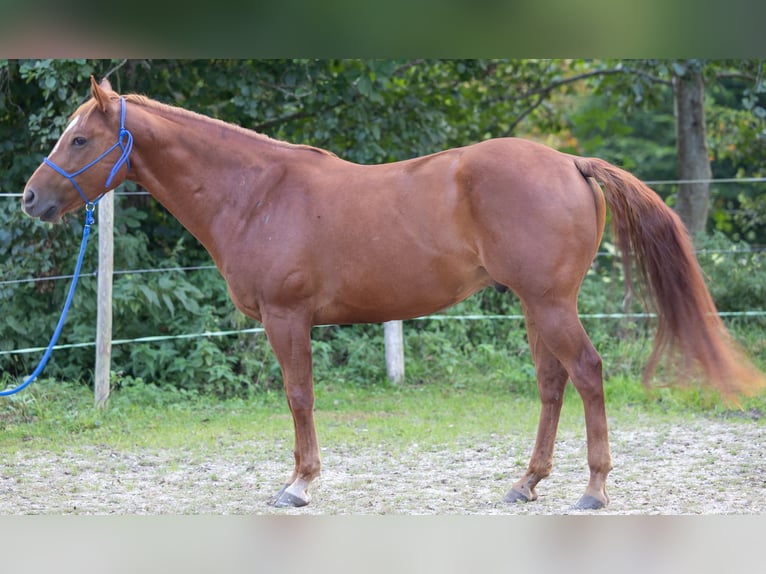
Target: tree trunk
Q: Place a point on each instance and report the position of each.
(693, 160)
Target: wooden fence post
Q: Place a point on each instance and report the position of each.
(104, 303)
(394, 343)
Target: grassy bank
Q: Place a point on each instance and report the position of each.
(421, 448)
(463, 380)
(52, 414)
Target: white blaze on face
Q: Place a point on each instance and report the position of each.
(72, 124)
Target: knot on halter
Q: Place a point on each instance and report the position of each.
(124, 142)
(126, 148)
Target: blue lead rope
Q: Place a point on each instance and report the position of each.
(125, 143)
(44, 361)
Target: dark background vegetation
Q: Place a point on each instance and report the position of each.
(365, 111)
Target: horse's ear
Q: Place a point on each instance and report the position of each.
(99, 92)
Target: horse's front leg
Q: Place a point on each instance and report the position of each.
(290, 338)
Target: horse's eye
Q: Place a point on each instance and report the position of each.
(79, 141)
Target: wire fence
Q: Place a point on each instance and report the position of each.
(94, 273)
(646, 181)
(757, 250)
(437, 317)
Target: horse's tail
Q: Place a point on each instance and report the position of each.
(690, 333)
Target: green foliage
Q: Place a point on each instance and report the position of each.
(366, 111)
(735, 273)
(642, 141)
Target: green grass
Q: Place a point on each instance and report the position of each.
(51, 415)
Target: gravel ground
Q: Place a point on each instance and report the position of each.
(699, 466)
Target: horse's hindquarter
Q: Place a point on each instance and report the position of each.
(536, 218)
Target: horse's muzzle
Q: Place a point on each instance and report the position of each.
(34, 206)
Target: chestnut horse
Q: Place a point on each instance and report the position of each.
(304, 238)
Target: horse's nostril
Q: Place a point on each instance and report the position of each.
(29, 197)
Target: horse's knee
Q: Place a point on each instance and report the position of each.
(299, 399)
(551, 375)
(552, 395)
(551, 383)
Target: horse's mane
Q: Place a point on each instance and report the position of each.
(173, 110)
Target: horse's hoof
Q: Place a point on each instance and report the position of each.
(588, 502)
(514, 496)
(285, 499)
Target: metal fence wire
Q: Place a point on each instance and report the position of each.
(435, 317)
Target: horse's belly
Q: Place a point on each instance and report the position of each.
(392, 296)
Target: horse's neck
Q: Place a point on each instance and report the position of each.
(197, 170)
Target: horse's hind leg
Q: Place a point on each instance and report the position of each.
(564, 337)
(551, 380)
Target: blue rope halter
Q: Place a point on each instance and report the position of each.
(89, 206)
(126, 148)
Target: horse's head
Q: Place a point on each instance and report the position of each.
(85, 162)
